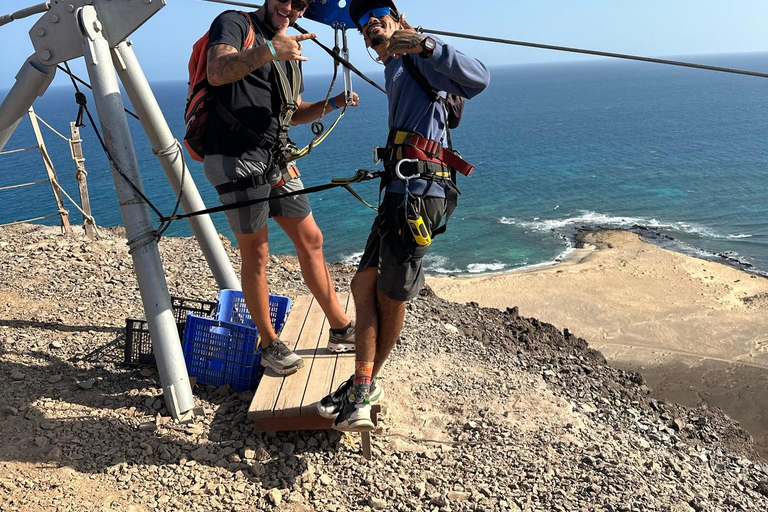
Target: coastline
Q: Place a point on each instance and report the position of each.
(696, 329)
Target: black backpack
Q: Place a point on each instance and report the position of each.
(453, 104)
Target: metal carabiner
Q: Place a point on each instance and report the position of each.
(400, 174)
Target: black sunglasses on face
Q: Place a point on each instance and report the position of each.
(296, 5)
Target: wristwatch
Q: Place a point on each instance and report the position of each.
(428, 45)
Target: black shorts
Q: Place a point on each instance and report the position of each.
(392, 249)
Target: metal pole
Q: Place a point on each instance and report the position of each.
(32, 81)
(169, 152)
(138, 226)
(53, 179)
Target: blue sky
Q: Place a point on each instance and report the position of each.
(650, 27)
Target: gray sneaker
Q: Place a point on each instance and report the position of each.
(280, 358)
(344, 342)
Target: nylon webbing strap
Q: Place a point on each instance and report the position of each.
(359, 177)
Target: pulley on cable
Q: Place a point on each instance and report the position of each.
(335, 14)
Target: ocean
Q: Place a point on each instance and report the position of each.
(679, 155)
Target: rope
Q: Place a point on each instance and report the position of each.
(82, 102)
(12, 151)
(86, 84)
(31, 220)
(176, 147)
(51, 128)
(594, 52)
(87, 217)
(24, 184)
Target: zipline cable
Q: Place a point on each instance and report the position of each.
(593, 52)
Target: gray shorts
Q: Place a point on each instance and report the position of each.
(392, 249)
(251, 219)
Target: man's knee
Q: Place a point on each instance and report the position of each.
(310, 239)
(255, 254)
(364, 285)
(388, 305)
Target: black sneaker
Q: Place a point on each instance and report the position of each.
(344, 342)
(331, 405)
(355, 415)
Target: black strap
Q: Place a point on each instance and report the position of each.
(434, 94)
(361, 176)
(242, 184)
(250, 137)
(452, 200)
(417, 75)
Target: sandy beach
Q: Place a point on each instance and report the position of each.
(696, 330)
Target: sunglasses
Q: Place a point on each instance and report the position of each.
(379, 12)
(296, 5)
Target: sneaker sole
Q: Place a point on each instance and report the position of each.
(360, 426)
(341, 348)
(333, 415)
(282, 371)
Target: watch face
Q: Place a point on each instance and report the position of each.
(429, 44)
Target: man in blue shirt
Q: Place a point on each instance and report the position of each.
(420, 192)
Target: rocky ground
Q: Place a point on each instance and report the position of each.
(485, 411)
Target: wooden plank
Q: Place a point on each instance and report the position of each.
(297, 423)
(366, 441)
(345, 363)
(289, 401)
(52, 178)
(322, 371)
(263, 403)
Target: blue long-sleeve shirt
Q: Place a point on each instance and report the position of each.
(412, 110)
(448, 71)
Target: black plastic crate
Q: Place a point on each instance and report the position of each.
(138, 345)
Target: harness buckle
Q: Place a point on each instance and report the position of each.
(378, 155)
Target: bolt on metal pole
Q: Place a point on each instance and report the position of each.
(169, 152)
(138, 226)
(32, 81)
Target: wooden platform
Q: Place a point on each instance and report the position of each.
(288, 403)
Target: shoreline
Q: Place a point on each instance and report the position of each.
(696, 329)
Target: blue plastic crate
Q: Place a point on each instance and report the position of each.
(231, 308)
(219, 352)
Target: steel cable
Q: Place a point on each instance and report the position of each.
(594, 52)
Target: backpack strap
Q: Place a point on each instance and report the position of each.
(417, 75)
(289, 92)
(434, 94)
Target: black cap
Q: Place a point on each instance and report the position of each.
(359, 7)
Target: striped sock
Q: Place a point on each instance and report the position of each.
(363, 380)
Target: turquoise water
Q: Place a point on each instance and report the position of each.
(679, 154)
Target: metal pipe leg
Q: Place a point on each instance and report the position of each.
(141, 235)
(169, 152)
(32, 81)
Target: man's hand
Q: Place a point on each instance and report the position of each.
(405, 40)
(289, 47)
(341, 100)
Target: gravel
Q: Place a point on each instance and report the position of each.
(487, 411)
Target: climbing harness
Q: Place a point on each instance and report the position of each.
(413, 206)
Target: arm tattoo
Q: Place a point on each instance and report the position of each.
(227, 65)
(405, 41)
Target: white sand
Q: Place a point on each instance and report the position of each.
(697, 330)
